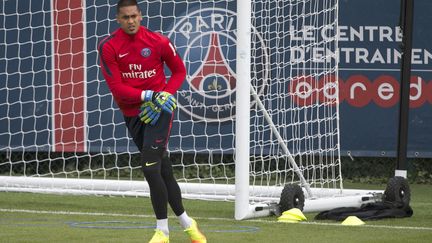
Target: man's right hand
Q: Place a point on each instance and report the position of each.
(150, 113)
(147, 95)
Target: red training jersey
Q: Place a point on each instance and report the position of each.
(133, 63)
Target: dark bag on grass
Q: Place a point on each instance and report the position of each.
(369, 211)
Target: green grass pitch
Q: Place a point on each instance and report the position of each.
(27, 217)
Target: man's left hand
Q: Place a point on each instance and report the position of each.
(165, 101)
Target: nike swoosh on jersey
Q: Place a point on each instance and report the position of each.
(150, 163)
(123, 55)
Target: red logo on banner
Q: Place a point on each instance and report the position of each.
(358, 91)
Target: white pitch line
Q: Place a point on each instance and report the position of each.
(375, 226)
(6, 210)
(72, 213)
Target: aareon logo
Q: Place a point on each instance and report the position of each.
(357, 91)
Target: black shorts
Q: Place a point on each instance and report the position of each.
(146, 135)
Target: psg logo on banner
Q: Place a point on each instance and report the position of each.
(206, 41)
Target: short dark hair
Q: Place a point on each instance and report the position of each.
(126, 3)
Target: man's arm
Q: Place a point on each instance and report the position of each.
(110, 70)
(175, 64)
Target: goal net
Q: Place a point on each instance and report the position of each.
(61, 132)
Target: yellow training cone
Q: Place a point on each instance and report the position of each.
(296, 213)
(353, 220)
(282, 220)
(287, 218)
(293, 215)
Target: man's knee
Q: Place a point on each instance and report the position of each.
(151, 158)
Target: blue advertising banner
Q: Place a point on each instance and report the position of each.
(370, 62)
(25, 52)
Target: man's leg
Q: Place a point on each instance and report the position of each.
(157, 137)
(157, 169)
(151, 164)
(154, 146)
(174, 192)
(151, 141)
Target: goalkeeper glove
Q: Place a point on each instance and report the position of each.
(147, 95)
(149, 113)
(165, 101)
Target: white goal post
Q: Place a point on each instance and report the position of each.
(311, 87)
(258, 109)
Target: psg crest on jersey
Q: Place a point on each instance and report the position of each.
(206, 41)
(145, 52)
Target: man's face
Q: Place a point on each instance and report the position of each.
(129, 19)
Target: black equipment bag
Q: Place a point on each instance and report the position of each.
(371, 211)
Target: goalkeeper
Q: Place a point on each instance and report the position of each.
(132, 60)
